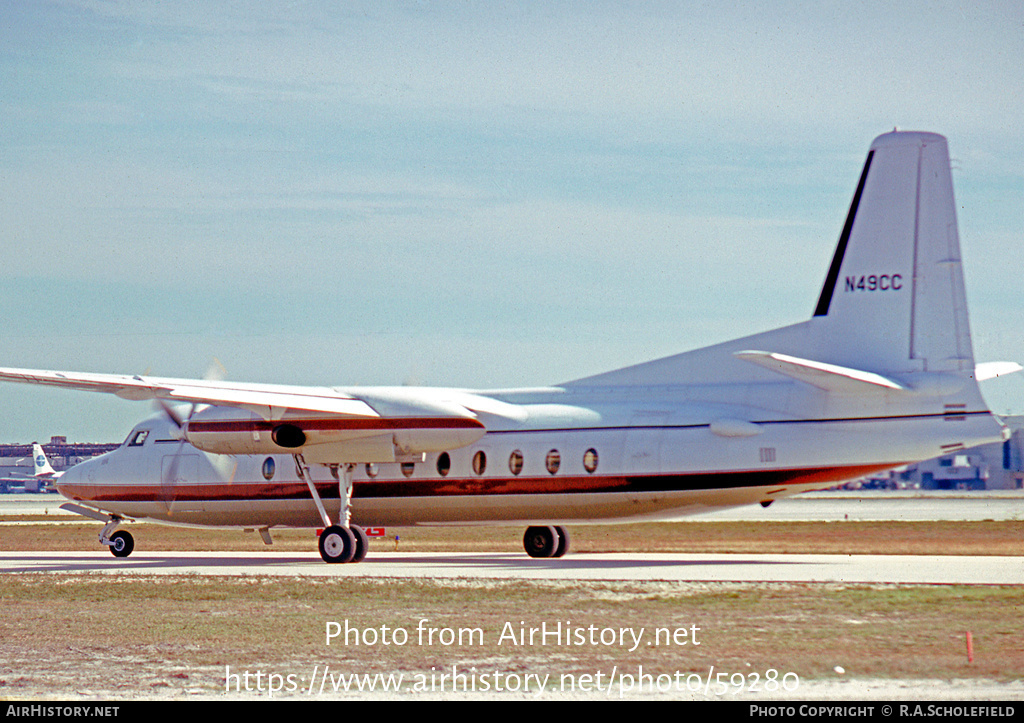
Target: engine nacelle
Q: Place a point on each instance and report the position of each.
(328, 439)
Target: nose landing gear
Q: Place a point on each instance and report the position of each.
(120, 543)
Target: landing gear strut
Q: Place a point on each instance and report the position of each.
(546, 541)
(342, 542)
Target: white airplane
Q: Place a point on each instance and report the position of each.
(42, 477)
(881, 375)
(43, 470)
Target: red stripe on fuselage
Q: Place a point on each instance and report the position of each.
(470, 486)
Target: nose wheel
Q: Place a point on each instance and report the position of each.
(121, 543)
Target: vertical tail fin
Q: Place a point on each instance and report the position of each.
(40, 462)
(892, 313)
(894, 298)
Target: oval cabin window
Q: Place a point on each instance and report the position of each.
(590, 460)
(515, 462)
(553, 461)
(479, 462)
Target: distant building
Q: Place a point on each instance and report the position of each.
(16, 459)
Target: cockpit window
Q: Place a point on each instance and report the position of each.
(138, 438)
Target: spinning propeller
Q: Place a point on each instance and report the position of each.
(171, 472)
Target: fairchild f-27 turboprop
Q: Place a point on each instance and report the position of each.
(881, 375)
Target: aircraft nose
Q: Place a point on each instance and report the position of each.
(74, 482)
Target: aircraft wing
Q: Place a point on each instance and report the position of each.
(264, 399)
(324, 423)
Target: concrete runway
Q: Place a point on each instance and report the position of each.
(902, 506)
(639, 567)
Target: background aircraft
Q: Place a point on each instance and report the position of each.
(882, 374)
(42, 479)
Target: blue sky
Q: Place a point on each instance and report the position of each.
(472, 194)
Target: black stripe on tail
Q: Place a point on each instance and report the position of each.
(833, 272)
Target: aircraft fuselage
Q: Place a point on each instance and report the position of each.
(568, 457)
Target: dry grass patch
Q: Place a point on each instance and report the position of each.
(157, 635)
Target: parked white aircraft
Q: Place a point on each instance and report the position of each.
(42, 478)
(41, 464)
(883, 374)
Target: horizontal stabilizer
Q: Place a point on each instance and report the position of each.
(830, 377)
(991, 370)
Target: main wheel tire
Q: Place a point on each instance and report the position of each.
(540, 541)
(121, 543)
(362, 543)
(337, 544)
(563, 541)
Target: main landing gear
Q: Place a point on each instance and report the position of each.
(342, 542)
(546, 541)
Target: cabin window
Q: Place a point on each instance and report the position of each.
(479, 462)
(590, 460)
(139, 438)
(444, 464)
(268, 468)
(515, 462)
(408, 468)
(372, 469)
(553, 461)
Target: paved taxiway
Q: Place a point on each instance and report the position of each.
(903, 506)
(675, 567)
